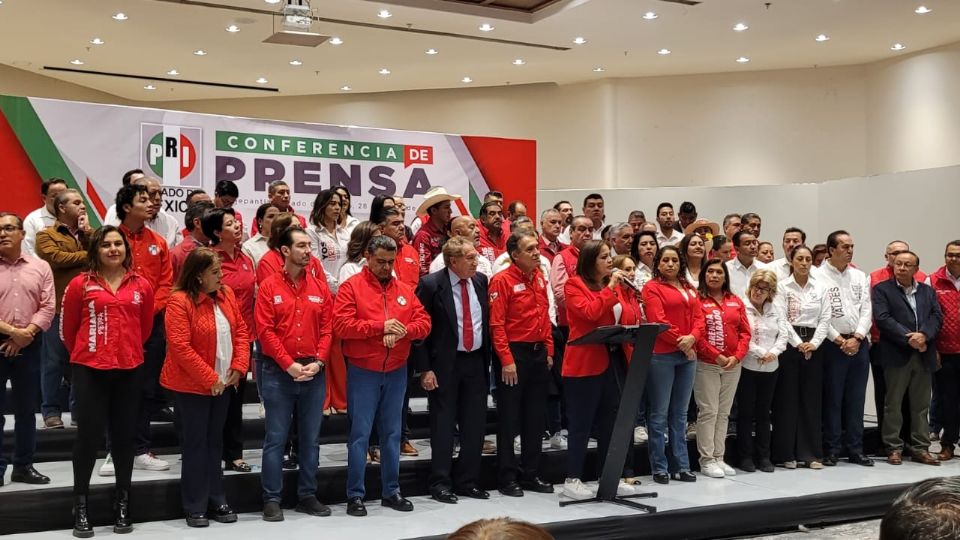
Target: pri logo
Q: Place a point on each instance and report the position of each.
(172, 153)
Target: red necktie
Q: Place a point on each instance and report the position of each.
(467, 318)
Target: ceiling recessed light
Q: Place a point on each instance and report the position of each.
(898, 47)
(519, 62)
(743, 60)
(149, 87)
(922, 10)
(336, 41)
(486, 27)
(384, 14)
(384, 71)
(431, 52)
(97, 41)
(823, 37)
(120, 17)
(579, 41)
(233, 29)
(200, 52)
(598, 69)
(77, 62)
(345, 88)
(262, 80)
(740, 27)
(649, 16)
(664, 52)
(466, 80)
(173, 72)
(296, 62)
(272, 1)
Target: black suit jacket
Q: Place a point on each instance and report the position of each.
(438, 352)
(894, 318)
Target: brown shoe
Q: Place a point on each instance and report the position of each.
(926, 458)
(894, 457)
(946, 454)
(489, 448)
(407, 449)
(53, 422)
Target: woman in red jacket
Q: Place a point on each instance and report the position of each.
(670, 300)
(723, 346)
(208, 349)
(591, 375)
(114, 308)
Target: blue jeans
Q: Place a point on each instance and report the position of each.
(280, 394)
(844, 391)
(669, 386)
(374, 395)
(53, 360)
(23, 372)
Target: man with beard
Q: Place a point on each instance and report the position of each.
(492, 239)
(667, 235)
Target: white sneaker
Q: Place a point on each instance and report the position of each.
(712, 470)
(516, 444)
(558, 441)
(640, 435)
(624, 489)
(727, 470)
(107, 468)
(150, 462)
(575, 489)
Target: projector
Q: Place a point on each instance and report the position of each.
(295, 20)
(297, 16)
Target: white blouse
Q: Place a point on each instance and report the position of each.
(804, 306)
(769, 332)
(224, 343)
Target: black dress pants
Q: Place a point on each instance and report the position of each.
(233, 427)
(520, 409)
(201, 477)
(797, 406)
(754, 401)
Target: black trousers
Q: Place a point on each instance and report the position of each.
(153, 396)
(233, 427)
(797, 408)
(23, 372)
(948, 379)
(460, 399)
(754, 401)
(520, 409)
(591, 401)
(201, 476)
(105, 398)
(556, 409)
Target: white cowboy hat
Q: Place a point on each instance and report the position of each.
(435, 195)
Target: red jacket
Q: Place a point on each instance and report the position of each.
(361, 308)
(547, 251)
(272, 263)
(519, 311)
(428, 243)
(631, 313)
(294, 322)
(664, 304)
(948, 342)
(106, 330)
(151, 259)
(884, 274)
(191, 362)
(239, 274)
(407, 265)
(587, 309)
(727, 329)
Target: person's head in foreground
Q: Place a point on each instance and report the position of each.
(928, 510)
(500, 529)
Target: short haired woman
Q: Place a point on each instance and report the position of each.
(106, 371)
(718, 367)
(208, 350)
(768, 339)
(256, 246)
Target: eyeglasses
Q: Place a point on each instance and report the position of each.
(764, 290)
(9, 229)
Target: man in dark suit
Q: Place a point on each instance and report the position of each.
(909, 318)
(453, 361)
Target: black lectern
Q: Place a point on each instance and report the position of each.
(642, 337)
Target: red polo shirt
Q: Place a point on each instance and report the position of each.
(294, 321)
(151, 259)
(519, 311)
(239, 275)
(272, 263)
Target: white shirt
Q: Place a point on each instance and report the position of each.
(35, 222)
(256, 247)
(565, 235)
(780, 267)
(803, 306)
(692, 279)
(643, 275)
(672, 240)
(740, 276)
(911, 294)
(224, 343)
(164, 224)
(503, 262)
(331, 250)
(848, 297)
(351, 224)
(350, 269)
(483, 265)
(769, 332)
(476, 316)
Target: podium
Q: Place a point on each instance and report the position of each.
(642, 337)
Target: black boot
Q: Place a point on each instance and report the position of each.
(121, 513)
(81, 523)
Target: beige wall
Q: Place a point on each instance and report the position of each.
(770, 127)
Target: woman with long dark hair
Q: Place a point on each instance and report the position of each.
(208, 350)
(347, 221)
(379, 204)
(669, 299)
(719, 353)
(694, 251)
(106, 364)
(327, 236)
